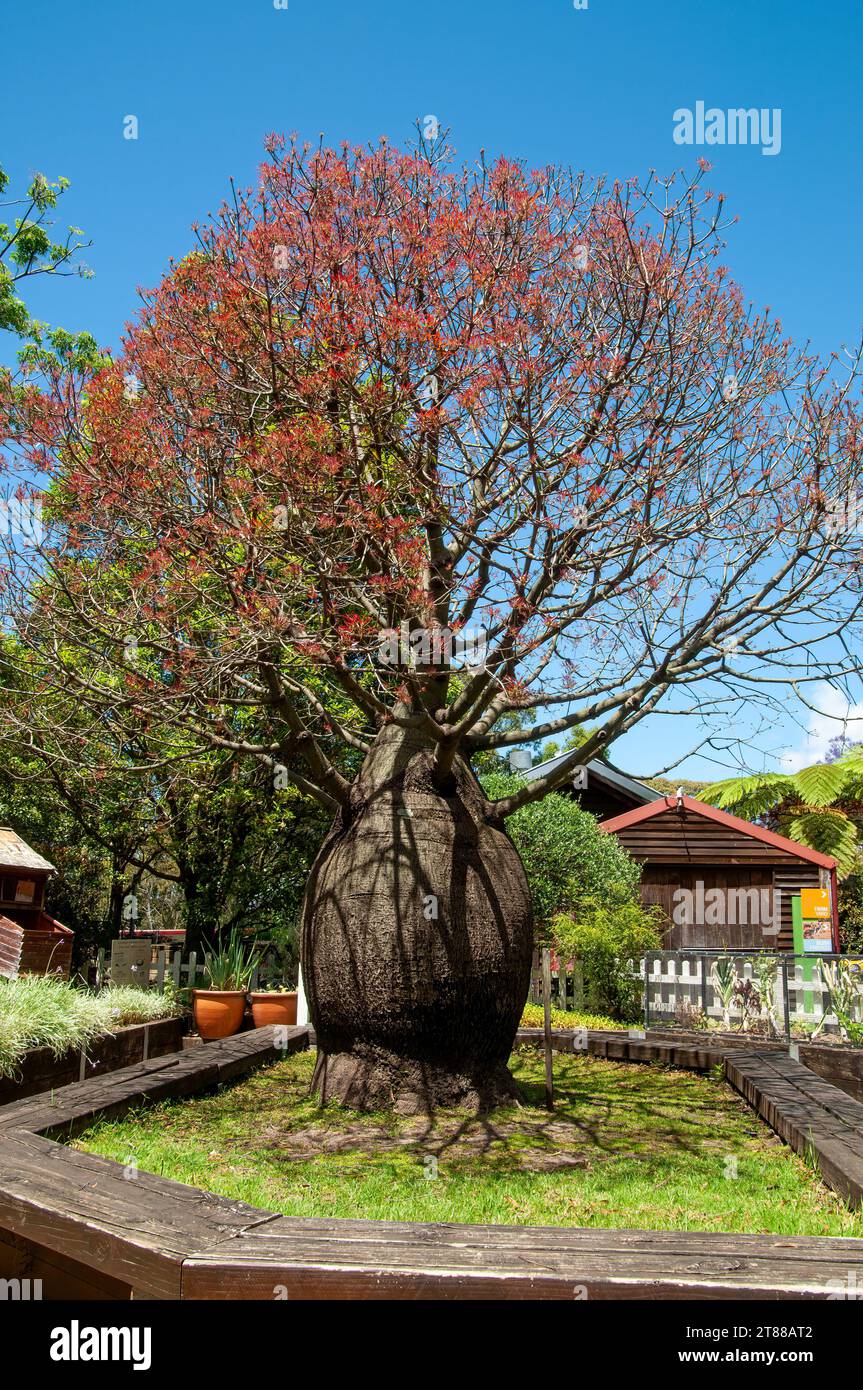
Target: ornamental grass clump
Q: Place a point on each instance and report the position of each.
(43, 1011)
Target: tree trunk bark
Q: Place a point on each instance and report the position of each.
(198, 920)
(417, 939)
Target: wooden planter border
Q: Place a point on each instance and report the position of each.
(813, 1116)
(89, 1227)
(841, 1063)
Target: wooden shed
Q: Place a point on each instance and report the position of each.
(31, 942)
(718, 879)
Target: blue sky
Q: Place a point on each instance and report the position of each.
(595, 88)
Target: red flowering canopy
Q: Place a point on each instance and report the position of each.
(387, 394)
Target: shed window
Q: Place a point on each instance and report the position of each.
(25, 890)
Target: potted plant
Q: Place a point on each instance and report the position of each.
(228, 971)
(272, 1003)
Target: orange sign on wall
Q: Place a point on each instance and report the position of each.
(817, 919)
(815, 903)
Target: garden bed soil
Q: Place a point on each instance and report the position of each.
(839, 1063)
(41, 1070)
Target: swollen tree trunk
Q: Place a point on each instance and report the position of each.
(417, 939)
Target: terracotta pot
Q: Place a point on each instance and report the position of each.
(274, 1008)
(218, 1012)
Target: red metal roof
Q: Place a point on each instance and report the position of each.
(700, 808)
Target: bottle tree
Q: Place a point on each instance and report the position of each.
(388, 409)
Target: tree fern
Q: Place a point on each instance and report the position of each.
(820, 806)
(748, 796)
(821, 784)
(830, 832)
(852, 787)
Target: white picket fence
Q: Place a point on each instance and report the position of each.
(567, 985)
(167, 964)
(674, 978)
(800, 995)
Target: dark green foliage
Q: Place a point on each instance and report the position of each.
(566, 857)
(27, 249)
(609, 936)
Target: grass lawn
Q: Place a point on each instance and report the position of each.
(628, 1145)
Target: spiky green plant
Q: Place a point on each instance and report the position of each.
(844, 986)
(724, 976)
(765, 969)
(820, 806)
(230, 965)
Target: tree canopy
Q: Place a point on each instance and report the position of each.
(386, 394)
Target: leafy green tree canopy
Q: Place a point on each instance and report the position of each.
(28, 248)
(566, 857)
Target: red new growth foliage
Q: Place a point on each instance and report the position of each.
(385, 391)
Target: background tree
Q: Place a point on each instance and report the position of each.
(584, 891)
(821, 806)
(80, 893)
(385, 393)
(28, 251)
(574, 739)
(568, 860)
(233, 841)
(237, 849)
(669, 786)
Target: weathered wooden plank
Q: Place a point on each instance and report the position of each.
(59, 1277)
(133, 1226)
(620, 1047)
(302, 1258)
(165, 1239)
(41, 1070)
(71, 1108)
(207, 1280)
(558, 1239)
(812, 1116)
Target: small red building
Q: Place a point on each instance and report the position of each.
(31, 942)
(719, 879)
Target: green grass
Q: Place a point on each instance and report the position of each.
(43, 1011)
(628, 1145)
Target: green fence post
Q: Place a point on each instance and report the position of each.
(808, 965)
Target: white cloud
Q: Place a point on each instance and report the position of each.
(834, 717)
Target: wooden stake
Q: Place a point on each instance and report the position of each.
(546, 1026)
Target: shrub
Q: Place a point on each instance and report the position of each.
(609, 937)
(566, 857)
(851, 912)
(533, 1016)
(585, 892)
